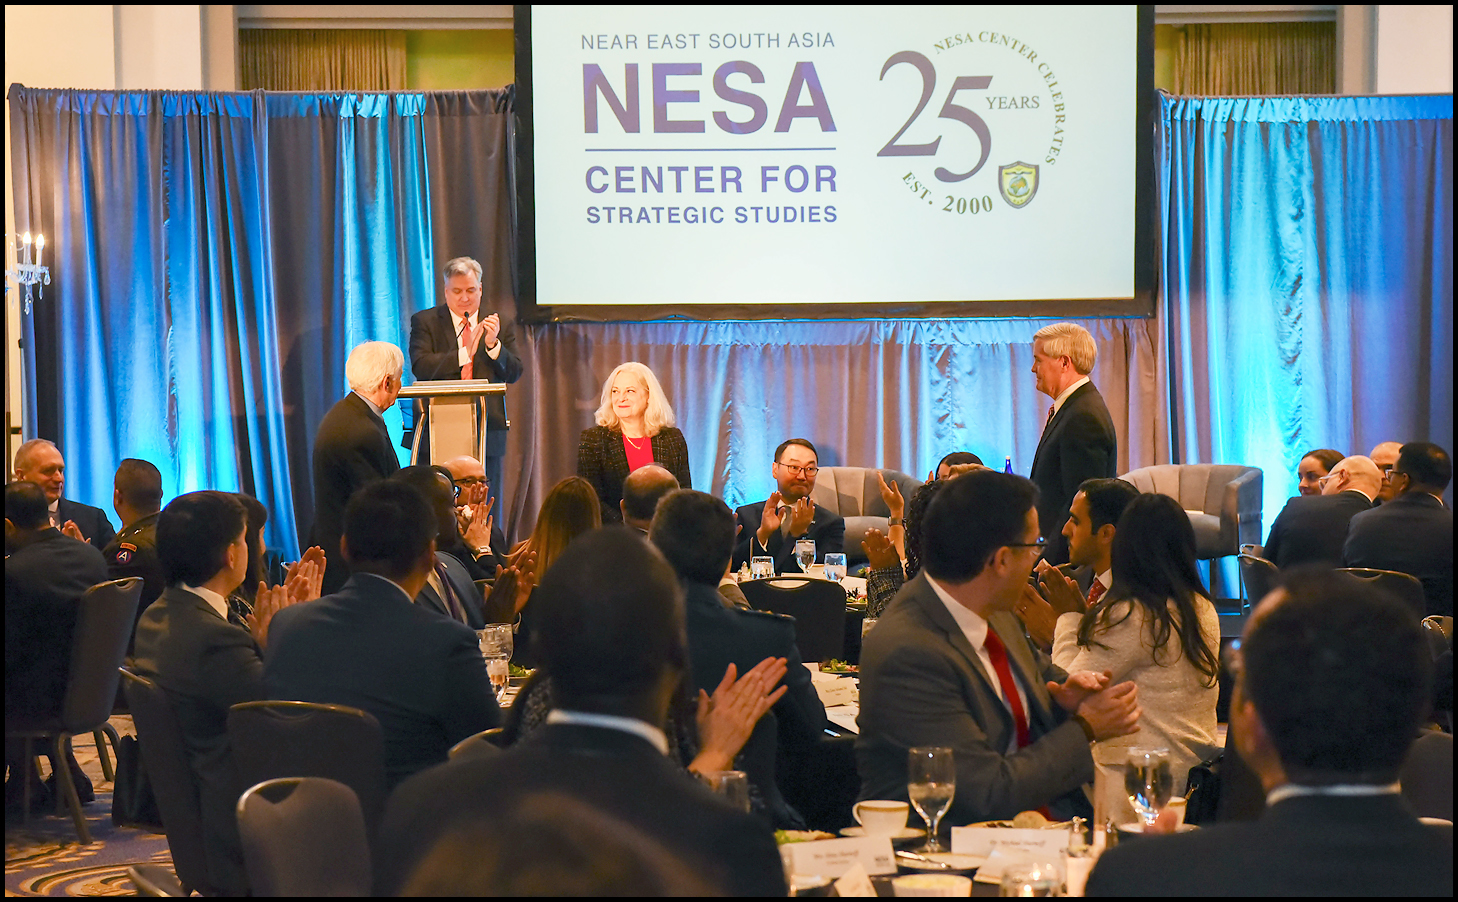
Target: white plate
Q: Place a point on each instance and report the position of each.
(953, 860)
(904, 833)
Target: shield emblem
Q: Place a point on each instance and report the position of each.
(1018, 182)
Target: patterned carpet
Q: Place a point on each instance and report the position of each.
(45, 858)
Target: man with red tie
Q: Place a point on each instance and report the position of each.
(948, 665)
(460, 340)
(1078, 440)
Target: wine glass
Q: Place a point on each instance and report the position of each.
(931, 783)
(496, 647)
(805, 553)
(1148, 782)
(761, 567)
(834, 567)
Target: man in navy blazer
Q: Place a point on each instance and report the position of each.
(459, 340)
(1311, 529)
(40, 461)
(370, 646)
(772, 527)
(1412, 533)
(1078, 440)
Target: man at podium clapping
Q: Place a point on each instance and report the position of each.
(460, 340)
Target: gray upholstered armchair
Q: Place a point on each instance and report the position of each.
(1223, 501)
(853, 493)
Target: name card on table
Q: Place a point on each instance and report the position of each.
(833, 857)
(1000, 845)
(834, 693)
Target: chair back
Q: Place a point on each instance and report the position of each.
(304, 836)
(818, 606)
(277, 739)
(1439, 630)
(1227, 495)
(172, 779)
(1404, 587)
(485, 744)
(1258, 575)
(104, 625)
(1427, 775)
(854, 494)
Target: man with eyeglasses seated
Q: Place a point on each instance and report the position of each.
(483, 538)
(1412, 533)
(1384, 455)
(1311, 529)
(773, 526)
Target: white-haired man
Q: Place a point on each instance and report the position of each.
(40, 461)
(352, 447)
(1078, 440)
(460, 340)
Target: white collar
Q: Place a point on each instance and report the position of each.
(1345, 790)
(1105, 579)
(379, 411)
(215, 601)
(972, 624)
(639, 728)
(55, 506)
(1063, 395)
(456, 321)
(401, 588)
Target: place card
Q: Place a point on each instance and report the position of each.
(855, 882)
(835, 693)
(834, 857)
(999, 845)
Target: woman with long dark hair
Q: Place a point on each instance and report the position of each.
(1155, 626)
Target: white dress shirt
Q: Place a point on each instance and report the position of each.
(463, 358)
(974, 627)
(639, 728)
(215, 601)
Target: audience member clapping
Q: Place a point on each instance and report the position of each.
(570, 509)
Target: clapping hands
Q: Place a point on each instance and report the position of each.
(726, 718)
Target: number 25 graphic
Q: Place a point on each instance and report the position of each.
(950, 110)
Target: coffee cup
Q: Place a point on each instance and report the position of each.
(881, 817)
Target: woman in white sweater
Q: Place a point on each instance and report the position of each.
(1156, 627)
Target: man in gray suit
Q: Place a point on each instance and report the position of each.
(948, 665)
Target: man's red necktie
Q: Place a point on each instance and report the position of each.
(998, 653)
(467, 371)
(1095, 593)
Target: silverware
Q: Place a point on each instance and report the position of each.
(923, 859)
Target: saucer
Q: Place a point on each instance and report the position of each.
(903, 833)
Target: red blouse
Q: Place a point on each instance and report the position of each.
(639, 451)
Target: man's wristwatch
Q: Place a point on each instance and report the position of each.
(482, 551)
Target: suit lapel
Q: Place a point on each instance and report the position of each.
(1020, 658)
(616, 454)
(937, 612)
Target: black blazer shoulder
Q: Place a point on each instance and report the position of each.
(602, 461)
(92, 521)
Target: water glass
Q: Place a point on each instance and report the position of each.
(867, 625)
(733, 785)
(761, 567)
(1031, 878)
(931, 783)
(805, 553)
(834, 567)
(495, 642)
(1148, 782)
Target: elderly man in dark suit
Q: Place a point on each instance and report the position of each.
(46, 573)
(1331, 683)
(948, 665)
(371, 647)
(205, 662)
(1078, 440)
(772, 527)
(460, 340)
(1311, 529)
(615, 649)
(1412, 533)
(352, 447)
(40, 461)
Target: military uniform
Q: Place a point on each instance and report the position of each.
(134, 553)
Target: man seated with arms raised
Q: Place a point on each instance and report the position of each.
(40, 461)
(1311, 529)
(642, 490)
(370, 646)
(616, 650)
(948, 665)
(1331, 683)
(772, 527)
(482, 537)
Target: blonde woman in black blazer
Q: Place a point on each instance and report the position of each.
(634, 416)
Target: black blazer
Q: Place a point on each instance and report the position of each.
(367, 646)
(134, 553)
(351, 449)
(1077, 444)
(603, 461)
(434, 351)
(1311, 529)
(205, 665)
(1412, 533)
(617, 773)
(1301, 846)
(44, 581)
(466, 591)
(92, 521)
(827, 529)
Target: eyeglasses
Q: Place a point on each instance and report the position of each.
(470, 480)
(809, 471)
(1323, 480)
(1040, 544)
(1392, 474)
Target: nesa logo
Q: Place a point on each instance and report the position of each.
(626, 105)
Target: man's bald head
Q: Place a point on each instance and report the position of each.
(1354, 473)
(1384, 456)
(642, 491)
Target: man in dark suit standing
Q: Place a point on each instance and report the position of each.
(695, 531)
(459, 340)
(1078, 440)
(46, 573)
(615, 650)
(40, 461)
(137, 498)
(1412, 533)
(352, 447)
(771, 527)
(948, 665)
(1331, 683)
(1311, 529)
(371, 647)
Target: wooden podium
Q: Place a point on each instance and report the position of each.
(455, 413)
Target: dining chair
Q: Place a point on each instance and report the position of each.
(818, 606)
(1404, 587)
(304, 836)
(276, 739)
(1258, 577)
(154, 880)
(485, 744)
(104, 619)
